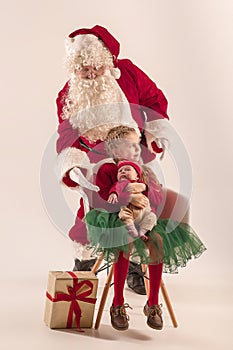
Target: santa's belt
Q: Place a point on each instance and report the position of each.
(90, 148)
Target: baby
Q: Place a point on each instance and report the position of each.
(129, 179)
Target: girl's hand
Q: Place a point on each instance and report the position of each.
(136, 187)
(113, 198)
(139, 200)
(126, 215)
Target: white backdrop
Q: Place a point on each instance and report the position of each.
(185, 46)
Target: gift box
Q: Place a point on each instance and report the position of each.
(70, 299)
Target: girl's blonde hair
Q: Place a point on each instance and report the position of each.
(113, 136)
(147, 174)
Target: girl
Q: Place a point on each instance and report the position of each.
(165, 250)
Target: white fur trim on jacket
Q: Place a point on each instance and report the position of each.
(159, 128)
(69, 158)
(82, 252)
(159, 131)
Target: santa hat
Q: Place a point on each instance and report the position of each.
(95, 46)
(135, 165)
(101, 33)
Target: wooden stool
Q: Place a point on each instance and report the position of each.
(107, 286)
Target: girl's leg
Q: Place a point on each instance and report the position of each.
(155, 268)
(155, 275)
(152, 309)
(119, 318)
(120, 270)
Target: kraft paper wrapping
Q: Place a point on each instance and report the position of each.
(56, 312)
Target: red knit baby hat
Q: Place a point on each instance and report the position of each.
(135, 165)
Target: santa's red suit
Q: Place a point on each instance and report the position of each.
(148, 107)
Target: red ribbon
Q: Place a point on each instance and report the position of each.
(72, 297)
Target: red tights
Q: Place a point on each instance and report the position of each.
(120, 270)
(155, 274)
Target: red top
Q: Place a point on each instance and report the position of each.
(106, 177)
(119, 187)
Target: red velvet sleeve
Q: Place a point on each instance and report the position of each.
(60, 101)
(119, 188)
(154, 194)
(67, 136)
(150, 96)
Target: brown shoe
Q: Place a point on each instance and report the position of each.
(119, 317)
(154, 316)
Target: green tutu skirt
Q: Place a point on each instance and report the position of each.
(175, 243)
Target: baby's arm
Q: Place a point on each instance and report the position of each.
(120, 195)
(136, 187)
(116, 191)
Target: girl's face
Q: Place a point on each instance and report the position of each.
(127, 148)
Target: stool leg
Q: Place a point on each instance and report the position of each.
(168, 304)
(103, 298)
(146, 280)
(97, 264)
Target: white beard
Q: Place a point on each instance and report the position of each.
(100, 105)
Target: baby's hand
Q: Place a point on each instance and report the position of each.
(136, 187)
(144, 237)
(144, 234)
(113, 198)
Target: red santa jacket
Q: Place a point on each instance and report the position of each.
(148, 106)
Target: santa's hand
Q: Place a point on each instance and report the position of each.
(160, 132)
(77, 176)
(136, 187)
(164, 144)
(113, 198)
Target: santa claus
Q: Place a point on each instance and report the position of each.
(102, 92)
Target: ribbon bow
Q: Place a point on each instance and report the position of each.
(72, 297)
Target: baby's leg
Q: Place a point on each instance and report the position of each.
(126, 215)
(132, 230)
(147, 222)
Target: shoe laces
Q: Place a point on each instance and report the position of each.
(123, 312)
(155, 310)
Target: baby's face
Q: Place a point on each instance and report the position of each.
(128, 148)
(127, 172)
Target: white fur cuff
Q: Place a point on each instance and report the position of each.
(160, 130)
(157, 127)
(69, 158)
(81, 252)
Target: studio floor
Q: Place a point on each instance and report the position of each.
(203, 310)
